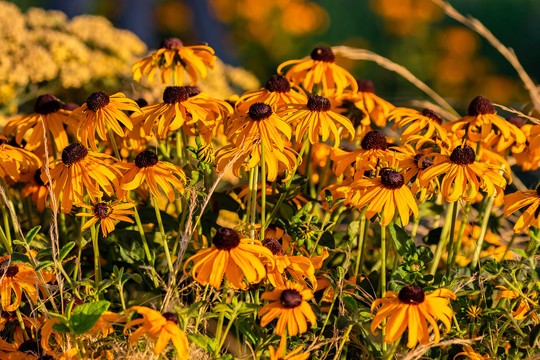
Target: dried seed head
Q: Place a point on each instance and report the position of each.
(432, 115)
(391, 179)
(517, 121)
(170, 317)
(426, 162)
(274, 246)
(169, 43)
(193, 91)
(226, 239)
(175, 94)
(30, 347)
(141, 102)
(365, 85)
(323, 54)
(11, 271)
(102, 210)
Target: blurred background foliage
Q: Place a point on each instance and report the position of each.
(259, 35)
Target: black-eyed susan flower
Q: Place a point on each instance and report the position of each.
(15, 278)
(320, 71)
(182, 105)
(15, 161)
(279, 354)
(161, 328)
(384, 194)
(525, 308)
(298, 267)
(37, 191)
(101, 112)
(515, 201)
(426, 123)
(148, 169)
(529, 158)
(173, 59)
(481, 120)
(463, 177)
(290, 304)
(375, 108)
(231, 256)
(107, 214)
(49, 115)
(412, 309)
(374, 150)
(315, 119)
(276, 92)
(80, 172)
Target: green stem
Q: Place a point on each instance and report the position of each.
(5, 242)
(323, 228)
(464, 220)
(141, 234)
(263, 191)
(248, 207)
(393, 350)
(97, 266)
(113, 142)
(323, 176)
(508, 246)
(451, 241)
(163, 235)
(443, 240)
(7, 234)
(417, 220)
(345, 340)
(480, 242)
(221, 314)
(383, 261)
(361, 240)
(254, 201)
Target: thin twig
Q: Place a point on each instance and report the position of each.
(514, 111)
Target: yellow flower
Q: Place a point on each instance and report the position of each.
(463, 176)
(172, 59)
(37, 190)
(101, 112)
(15, 278)
(412, 309)
(14, 161)
(384, 194)
(525, 308)
(149, 170)
(316, 119)
(375, 109)
(290, 304)
(293, 355)
(320, 70)
(107, 213)
(515, 201)
(232, 257)
(426, 123)
(469, 353)
(161, 328)
(48, 114)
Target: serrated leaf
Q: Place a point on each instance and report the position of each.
(85, 316)
(32, 233)
(65, 250)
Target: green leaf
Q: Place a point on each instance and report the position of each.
(350, 303)
(404, 244)
(32, 233)
(353, 229)
(44, 252)
(85, 316)
(43, 265)
(199, 340)
(343, 322)
(61, 328)
(65, 250)
(16, 257)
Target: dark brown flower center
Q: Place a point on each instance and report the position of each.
(74, 153)
(47, 104)
(169, 43)
(146, 159)
(323, 54)
(426, 162)
(391, 179)
(278, 83)
(463, 155)
(432, 115)
(30, 347)
(411, 294)
(374, 140)
(102, 210)
(480, 106)
(11, 271)
(171, 317)
(97, 100)
(193, 91)
(37, 178)
(273, 245)
(516, 121)
(365, 85)
(175, 94)
(259, 111)
(141, 102)
(318, 103)
(290, 298)
(226, 239)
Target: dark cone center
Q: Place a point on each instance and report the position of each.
(74, 153)
(480, 106)
(47, 104)
(193, 91)
(169, 43)
(290, 298)
(323, 54)
(411, 294)
(146, 159)
(318, 103)
(516, 121)
(374, 140)
(97, 100)
(259, 111)
(175, 94)
(171, 317)
(432, 115)
(391, 179)
(278, 83)
(463, 155)
(102, 210)
(426, 162)
(226, 239)
(30, 347)
(11, 271)
(273, 245)
(365, 85)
